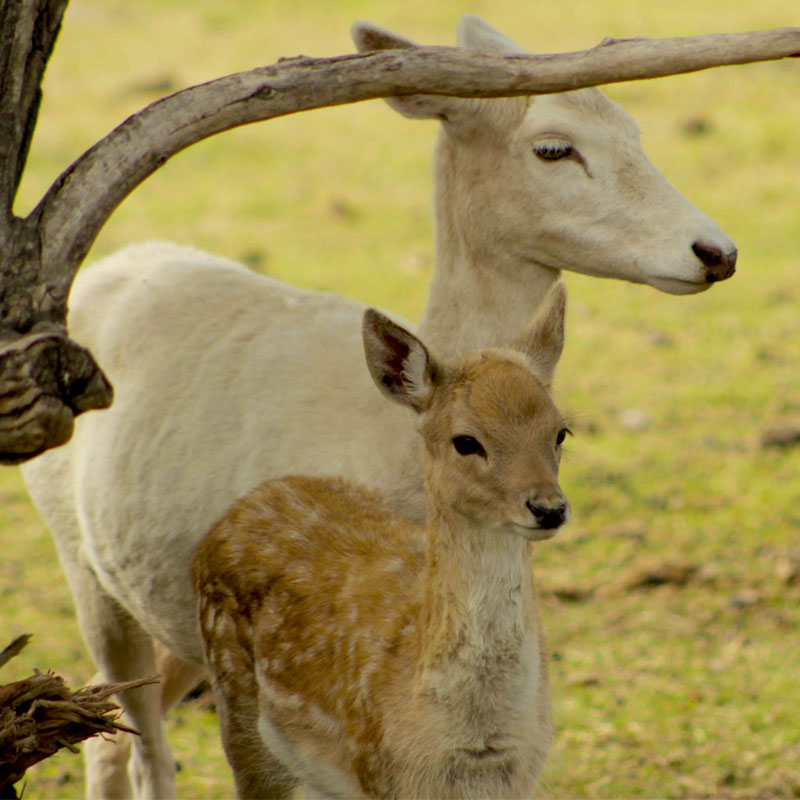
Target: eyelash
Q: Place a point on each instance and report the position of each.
(553, 151)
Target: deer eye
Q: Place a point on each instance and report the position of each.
(562, 434)
(553, 149)
(468, 446)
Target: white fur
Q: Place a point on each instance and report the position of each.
(217, 371)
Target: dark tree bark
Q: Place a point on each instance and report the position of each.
(37, 361)
(46, 379)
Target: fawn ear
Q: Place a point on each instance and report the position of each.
(543, 340)
(399, 363)
(369, 37)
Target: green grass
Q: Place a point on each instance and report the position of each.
(679, 690)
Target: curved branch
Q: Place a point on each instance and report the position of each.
(72, 213)
(46, 379)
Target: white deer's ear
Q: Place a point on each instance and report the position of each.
(543, 340)
(399, 363)
(369, 37)
(472, 33)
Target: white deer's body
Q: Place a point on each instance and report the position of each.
(355, 652)
(216, 370)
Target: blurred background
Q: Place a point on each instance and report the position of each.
(672, 600)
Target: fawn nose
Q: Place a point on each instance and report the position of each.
(548, 516)
(719, 266)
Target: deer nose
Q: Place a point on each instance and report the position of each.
(719, 266)
(548, 516)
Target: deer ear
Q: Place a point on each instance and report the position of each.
(369, 37)
(473, 33)
(543, 340)
(399, 363)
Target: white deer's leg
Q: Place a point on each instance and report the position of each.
(106, 760)
(123, 651)
(152, 767)
(177, 676)
(106, 765)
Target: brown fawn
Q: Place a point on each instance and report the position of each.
(360, 654)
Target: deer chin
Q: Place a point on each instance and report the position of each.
(534, 534)
(679, 285)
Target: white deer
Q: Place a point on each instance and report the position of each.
(217, 370)
(362, 654)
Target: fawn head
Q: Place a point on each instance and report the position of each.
(491, 430)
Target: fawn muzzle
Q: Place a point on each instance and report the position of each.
(548, 516)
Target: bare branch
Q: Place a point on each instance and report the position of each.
(45, 379)
(15, 648)
(76, 207)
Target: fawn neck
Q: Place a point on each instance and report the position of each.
(478, 599)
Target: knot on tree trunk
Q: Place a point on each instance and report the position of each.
(46, 380)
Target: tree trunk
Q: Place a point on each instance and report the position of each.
(45, 378)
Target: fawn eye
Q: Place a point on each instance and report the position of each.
(468, 446)
(562, 434)
(552, 149)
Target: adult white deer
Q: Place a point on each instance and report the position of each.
(364, 655)
(211, 364)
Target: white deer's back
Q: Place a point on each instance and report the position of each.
(236, 361)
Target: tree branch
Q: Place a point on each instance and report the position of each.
(76, 207)
(45, 379)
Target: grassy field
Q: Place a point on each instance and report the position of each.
(672, 600)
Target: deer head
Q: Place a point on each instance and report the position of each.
(558, 181)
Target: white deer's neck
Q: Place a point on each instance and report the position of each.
(482, 293)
